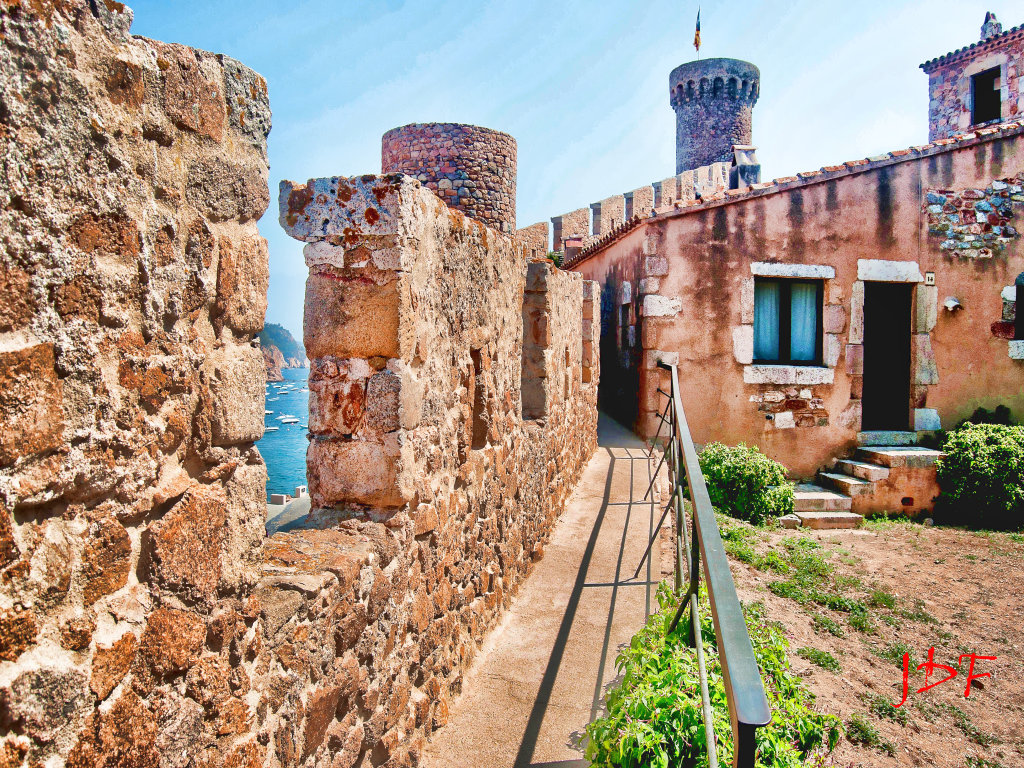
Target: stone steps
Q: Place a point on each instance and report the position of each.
(912, 457)
(846, 484)
(830, 520)
(813, 498)
(863, 469)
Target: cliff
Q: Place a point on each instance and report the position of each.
(281, 350)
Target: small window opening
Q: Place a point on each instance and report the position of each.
(624, 326)
(986, 102)
(565, 378)
(479, 395)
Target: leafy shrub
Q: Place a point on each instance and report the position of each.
(982, 477)
(654, 714)
(744, 483)
(860, 731)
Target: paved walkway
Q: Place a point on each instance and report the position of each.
(541, 674)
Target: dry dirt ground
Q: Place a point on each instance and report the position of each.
(957, 591)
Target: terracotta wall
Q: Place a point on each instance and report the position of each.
(693, 274)
(132, 283)
(452, 409)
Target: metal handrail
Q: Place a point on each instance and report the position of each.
(744, 690)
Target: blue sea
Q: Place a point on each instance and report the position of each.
(284, 449)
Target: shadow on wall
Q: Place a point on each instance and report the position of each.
(621, 330)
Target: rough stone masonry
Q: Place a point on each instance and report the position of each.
(145, 619)
(132, 283)
(453, 394)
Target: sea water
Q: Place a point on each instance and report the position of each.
(284, 450)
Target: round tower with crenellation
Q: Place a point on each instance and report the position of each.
(714, 102)
(472, 169)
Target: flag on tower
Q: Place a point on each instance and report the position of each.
(696, 35)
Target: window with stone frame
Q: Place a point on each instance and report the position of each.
(788, 321)
(986, 102)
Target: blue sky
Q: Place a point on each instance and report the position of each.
(583, 86)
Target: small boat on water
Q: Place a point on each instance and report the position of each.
(266, 412)
(289, 420)
(284, 416)
(272, 399)
(271, 429)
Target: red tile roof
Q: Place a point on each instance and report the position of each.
(975, 48)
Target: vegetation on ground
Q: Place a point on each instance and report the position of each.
(860, 731)
(823, 659)
(745, 484)
(654, 715)
(982, 477)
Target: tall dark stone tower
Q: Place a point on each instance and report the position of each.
(714, 100)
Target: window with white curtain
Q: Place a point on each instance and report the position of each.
(787, 321)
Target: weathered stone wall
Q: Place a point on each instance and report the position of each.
(425, 332)
(132, 282)
(950, 97)
(714, 101)
(471, 168)
(534, 239)
(941, 219)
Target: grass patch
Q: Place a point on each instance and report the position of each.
(894, 653)
(860, 731)
(879, 598)
(881, 707)
(885, 521)
(823, 623)
(823, 659)
(932, 712)
(973, 761)
(917, 613)
(862, 623)
(888, 618)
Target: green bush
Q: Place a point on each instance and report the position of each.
(654, 715)
(744, 483)
(982, 477)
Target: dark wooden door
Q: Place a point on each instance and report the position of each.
(886, 396)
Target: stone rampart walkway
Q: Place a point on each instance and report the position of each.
(541, 674)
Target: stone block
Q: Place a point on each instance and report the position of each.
(661, 306)
(855, 359)
(537, 275)
(786, 269)
(336, 400)
(350, 317)
(360, 472)
(925, 369)
(649, 285)
(885, 271)
(237, 382)
(769, 374)
(172, 641)
(1017, 350)
(927, 420)
(812, 374)
(655, 266)
(106, 558)
(186, 544)
(349, 207)
(856, 335)
(784, 420)
(743, 344)
(382, 402)
(243, 274)
(927, 308)
(834, 320)
(747, 300)
(31, 403)
(831, 349)
(1009, 293)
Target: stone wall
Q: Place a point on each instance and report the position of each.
(950, 97)
(132, 283)
(471, 168)
(534, 239)
(452, 409)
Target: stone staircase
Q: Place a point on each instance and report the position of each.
(878, 478)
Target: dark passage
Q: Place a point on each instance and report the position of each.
(886, 397)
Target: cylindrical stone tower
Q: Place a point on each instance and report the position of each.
(471, 168)
(713, 100)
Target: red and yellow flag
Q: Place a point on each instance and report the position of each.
(696, 35)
